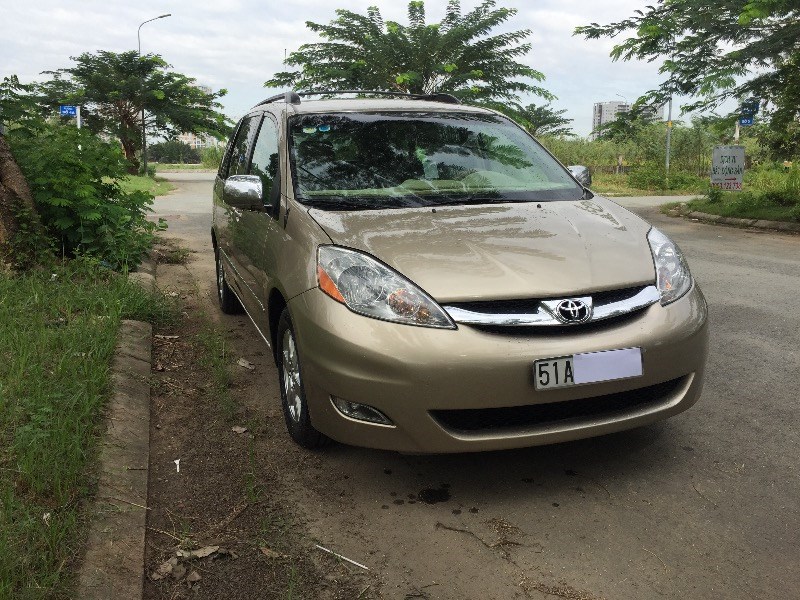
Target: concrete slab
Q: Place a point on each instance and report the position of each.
(114, 563)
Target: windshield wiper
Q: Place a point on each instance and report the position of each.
(359, 203)
(472, 199)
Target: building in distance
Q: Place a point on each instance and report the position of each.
(606, 112)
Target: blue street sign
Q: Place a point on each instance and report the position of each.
(750, 106)
(68, 111)
(745, 120)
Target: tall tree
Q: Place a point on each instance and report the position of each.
(113, 87)
(716, 50)
(459, 55)
(627, 125)
(541, 120)
(18, 211)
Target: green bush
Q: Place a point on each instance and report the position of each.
(73, 175)
(714, 195)
(173, 151)
(781, 197)
(149, 172)
(651, 176)
(211, 157)
(792, 184)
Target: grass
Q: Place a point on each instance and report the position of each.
(57, 335)
(743, 205)
(168, 252)
(156, 186)
(170, 167)
(618, 185)
(216, 358)
(771, 193)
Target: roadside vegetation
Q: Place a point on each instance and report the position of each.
(180, 167)
(774, 196)
(153, 186)
(58, 329)
(174, 155)
(72, 223)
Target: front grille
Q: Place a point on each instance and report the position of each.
(560, 331)
(537, 415)
(505, 307)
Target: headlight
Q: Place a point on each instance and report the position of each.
(370, 288)
(672, 273)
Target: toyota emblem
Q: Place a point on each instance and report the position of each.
(573, 311)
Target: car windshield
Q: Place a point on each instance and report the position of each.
(351, 161)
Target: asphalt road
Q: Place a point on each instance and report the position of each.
(704, 505)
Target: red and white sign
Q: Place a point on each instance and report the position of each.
(727, 167)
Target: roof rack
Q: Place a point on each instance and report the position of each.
(295, 97)
(288, 97)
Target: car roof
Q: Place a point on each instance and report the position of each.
(371, 104)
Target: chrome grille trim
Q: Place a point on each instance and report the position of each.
(542, 314)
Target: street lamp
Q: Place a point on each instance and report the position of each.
(144, 132)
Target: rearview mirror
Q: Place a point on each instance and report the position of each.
(582, 174)
(244, 191)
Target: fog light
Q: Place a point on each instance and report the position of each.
(360, 412)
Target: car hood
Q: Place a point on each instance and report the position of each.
(503, 251)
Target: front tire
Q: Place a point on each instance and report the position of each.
(228, 302)
(293, 396)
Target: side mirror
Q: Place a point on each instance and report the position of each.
(582, 174)
(244, 192)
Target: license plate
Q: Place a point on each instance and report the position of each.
(587, 367)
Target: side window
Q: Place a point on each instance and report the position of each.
(237, 164)
(266, 161)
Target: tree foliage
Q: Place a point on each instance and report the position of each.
(541, 120)
(173, 151)
(23, 242)
(710, 46)
(644, 148)
(59, 188)
(628, 124)
(113, 87)
(459, 55)
(74, 177)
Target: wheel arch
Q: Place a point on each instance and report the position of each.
(276, 303)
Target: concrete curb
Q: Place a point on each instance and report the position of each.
(145, 275)
(756, 223)
(113, 566)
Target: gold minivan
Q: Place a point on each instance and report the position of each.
(430, 279)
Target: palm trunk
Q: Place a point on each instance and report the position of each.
(15, 197)
(130, 153)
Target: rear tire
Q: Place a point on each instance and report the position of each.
(293, 396)
(228, 302)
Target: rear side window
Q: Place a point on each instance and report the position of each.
(265, 162)
(237, 164)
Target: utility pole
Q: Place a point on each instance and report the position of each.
(669, 140)
(144, 131)
(669, 122)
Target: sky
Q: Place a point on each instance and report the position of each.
(239, 44)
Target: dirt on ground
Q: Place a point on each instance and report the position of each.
(218, 524)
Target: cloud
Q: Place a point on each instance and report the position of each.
(238, 44)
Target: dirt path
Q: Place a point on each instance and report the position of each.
(702, 506)
(226, 494)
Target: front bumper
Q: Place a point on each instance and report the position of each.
(414, 375)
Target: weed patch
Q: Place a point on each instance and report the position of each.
(57, 336)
